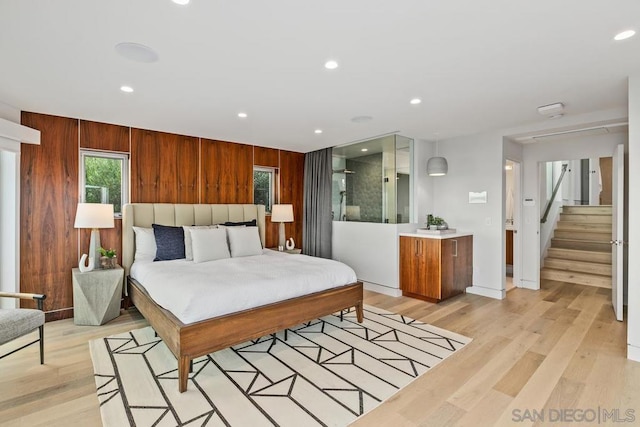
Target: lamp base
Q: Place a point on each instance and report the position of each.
(281, 238)
(94, 246)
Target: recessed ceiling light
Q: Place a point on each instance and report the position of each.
(331, 65)
(127, 89)
(624, 35)
(136, 52)
(415, 101)
(181, 2)
(508, 167)
(318, 131)
(242, 115)
(361, 119)
(364, 149)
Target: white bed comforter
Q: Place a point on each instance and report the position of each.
(194, 292)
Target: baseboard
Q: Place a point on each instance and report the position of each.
(529, 284)
(394, 292)
(487, 292)
(633, 352)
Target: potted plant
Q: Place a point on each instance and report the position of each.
(108, 258)
(436, 223)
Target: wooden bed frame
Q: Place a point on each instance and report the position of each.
(189, 341)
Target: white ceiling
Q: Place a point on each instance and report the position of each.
(476, 65)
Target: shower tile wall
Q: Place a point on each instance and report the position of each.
(364, 186)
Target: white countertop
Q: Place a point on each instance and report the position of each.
(439, 236)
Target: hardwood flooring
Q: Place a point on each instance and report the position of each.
(556, 349)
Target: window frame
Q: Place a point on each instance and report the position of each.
(124, 174)
(273, 186)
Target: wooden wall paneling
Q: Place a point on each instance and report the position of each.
(226, 172)
(187, 160)
(109, 238)
(167, 167)
(268, 157)
(145, 170)
(292, 191)
(103, 136)
(271, 233)
(49, 197)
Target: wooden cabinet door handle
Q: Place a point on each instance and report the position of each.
(417, 252)
(455, 252)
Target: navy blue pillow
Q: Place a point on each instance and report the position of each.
(169, 242)
(251, 223)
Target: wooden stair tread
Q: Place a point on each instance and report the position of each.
(579, 255)
(583, 226)
(584, 235)
(587, 245)
(588, 279)
(603, 269)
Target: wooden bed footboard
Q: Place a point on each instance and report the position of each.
(187, 342)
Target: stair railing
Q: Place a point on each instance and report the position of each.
(553, 195)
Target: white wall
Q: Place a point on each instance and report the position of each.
(570, 148)
(633, 167)
(475, 164)
(11, 134)
(423, 202)
(371, 249)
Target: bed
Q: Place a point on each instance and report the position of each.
(188, 340)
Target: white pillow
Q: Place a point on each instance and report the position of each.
(209, 244)
(188, 253)
(244, 241)
(145, 244)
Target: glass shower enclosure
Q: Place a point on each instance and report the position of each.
(372, 181)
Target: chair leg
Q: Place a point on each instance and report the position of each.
(41, 331)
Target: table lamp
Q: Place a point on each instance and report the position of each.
(281, 214)
(93, 216)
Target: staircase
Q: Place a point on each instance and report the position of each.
(580, 251)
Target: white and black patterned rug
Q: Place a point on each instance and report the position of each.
(327, 372)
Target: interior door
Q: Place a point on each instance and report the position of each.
(617, 285)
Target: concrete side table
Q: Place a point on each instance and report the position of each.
(96, 295)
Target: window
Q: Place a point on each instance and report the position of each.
(104, 178)
(263, 187)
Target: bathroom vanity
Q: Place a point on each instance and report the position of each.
(435, 267)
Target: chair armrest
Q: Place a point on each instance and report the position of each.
(39, 298)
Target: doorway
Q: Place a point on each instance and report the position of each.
(512, 225)
(578, 225)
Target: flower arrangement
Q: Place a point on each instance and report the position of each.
(108, 258)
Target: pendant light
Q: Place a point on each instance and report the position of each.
(437, 166)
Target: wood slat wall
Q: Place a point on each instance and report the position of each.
(48, 200)
(269, 157)
(103, 136)
(165, 168)
(227, 172)
(292, 191)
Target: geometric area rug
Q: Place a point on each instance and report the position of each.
(328, 372)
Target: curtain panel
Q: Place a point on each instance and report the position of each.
(317, 220)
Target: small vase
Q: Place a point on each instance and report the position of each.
(107, 263)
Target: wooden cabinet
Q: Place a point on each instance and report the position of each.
(435, 269)
(509, 247)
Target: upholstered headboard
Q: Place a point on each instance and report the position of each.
(145, 214)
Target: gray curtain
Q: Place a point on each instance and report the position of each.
(317, 220)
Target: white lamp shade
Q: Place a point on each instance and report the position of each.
(282, 213)
(437, 166)
(94, 215)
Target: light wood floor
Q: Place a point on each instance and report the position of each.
(559, 348)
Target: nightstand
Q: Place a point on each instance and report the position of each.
(97, 295)
(292, 251)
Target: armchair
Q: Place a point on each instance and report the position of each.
(17, 322)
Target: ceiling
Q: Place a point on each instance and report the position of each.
(475, 67)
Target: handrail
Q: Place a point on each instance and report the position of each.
(553, 195)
